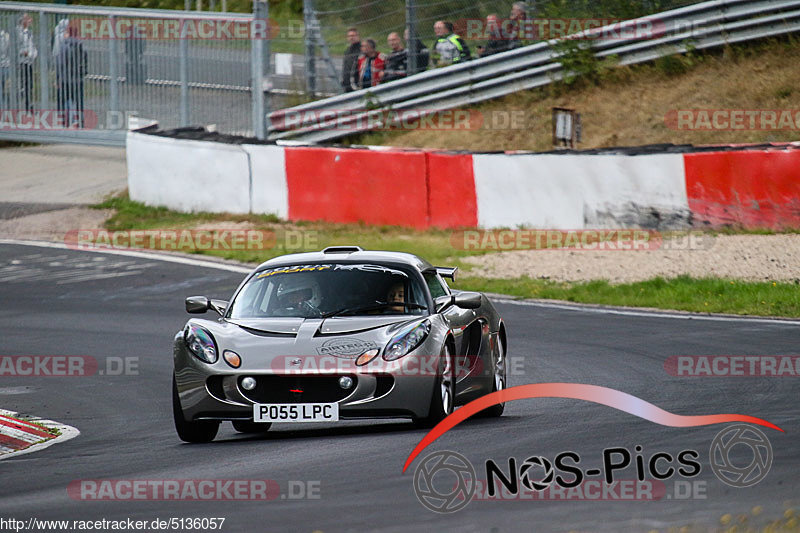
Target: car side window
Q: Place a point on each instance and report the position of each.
(435, 284)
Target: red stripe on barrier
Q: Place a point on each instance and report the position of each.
(453, 202)
(752, 189)
(347, 185)
(11, 442)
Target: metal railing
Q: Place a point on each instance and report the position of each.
(698, 26)
(132, 66)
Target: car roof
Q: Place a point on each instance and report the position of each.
(345, 255)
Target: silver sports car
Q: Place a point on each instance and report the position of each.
(341, 333)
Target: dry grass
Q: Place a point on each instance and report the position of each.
(628, 108)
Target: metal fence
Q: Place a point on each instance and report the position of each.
(78, 74)
(697, 26)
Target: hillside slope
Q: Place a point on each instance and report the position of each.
(630, 105)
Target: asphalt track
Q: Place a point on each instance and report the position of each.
(67, 302)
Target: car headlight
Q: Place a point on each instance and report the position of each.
(405, 342)
(201, 343)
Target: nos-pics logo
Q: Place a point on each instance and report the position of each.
(445, 481)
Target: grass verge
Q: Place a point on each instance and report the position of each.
(706, 295)
(710, 295)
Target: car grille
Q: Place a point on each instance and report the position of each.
(283, 389)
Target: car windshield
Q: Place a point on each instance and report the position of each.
(327, 290)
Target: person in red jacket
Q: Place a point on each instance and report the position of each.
(370, 65)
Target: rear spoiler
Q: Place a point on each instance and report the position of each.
(447, 272)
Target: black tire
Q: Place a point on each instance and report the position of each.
(443, 394)
(499, 380)
(245, 426)
(194, 432)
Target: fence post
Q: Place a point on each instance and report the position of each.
(113, 70)
(259, 24)
(184, 75)
(44, 55)
(411, 25)
(310, 35)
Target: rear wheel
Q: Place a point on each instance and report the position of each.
(444, 392)
(195, 432)
(245, 426)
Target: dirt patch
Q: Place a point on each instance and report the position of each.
(744, 257)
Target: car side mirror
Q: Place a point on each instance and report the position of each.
(197, 305)
(467, 300)
(200, 304)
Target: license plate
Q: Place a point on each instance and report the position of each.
(296, 412)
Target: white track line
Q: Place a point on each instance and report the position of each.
(131, 253)
(589, 308)
(67, 433)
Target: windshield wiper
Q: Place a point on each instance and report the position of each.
(372, 307)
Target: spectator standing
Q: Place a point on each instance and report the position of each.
(350, 59)
(59, 34)
(415, 46)
(397, 61)
(449, 48)
(370, 65)
(135, 67)
(70, 71)
(497, 41)
(5, 67)
(25, 60)
(517, 17)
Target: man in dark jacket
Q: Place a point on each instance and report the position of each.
(498, 42)
(350, 60)
(397, 61)
(70, 71)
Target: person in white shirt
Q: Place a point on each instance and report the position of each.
(27, 56)
(5, 67)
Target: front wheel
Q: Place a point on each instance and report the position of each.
(194, 432)
(444, 392)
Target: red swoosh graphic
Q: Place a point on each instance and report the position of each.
(578, 391)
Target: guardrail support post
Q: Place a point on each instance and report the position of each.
(113, 70)
(258, 38)
(44, 55)
(184, 75)
(310, 35)
(411, 26)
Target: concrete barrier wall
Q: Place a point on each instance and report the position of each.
(188, 176)
(750, 189)
(421, 189)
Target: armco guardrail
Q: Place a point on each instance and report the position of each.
(699, 26)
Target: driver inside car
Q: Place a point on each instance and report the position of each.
(295, 299)
(396, 294)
